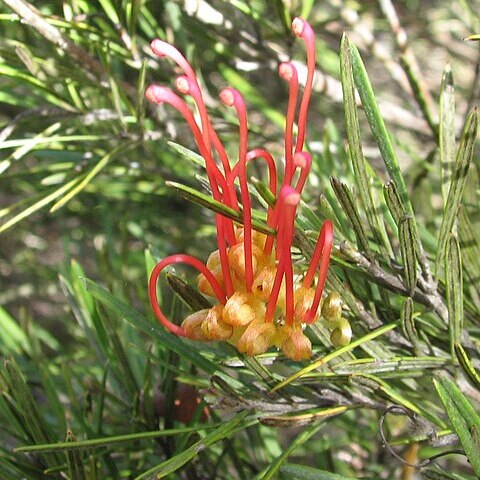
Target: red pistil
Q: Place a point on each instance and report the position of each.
(272, 173)
(303, 161)
(321, 255)
(222, 225)
(288, 72)
(159, 94)
(272, 168)
(287, 203)
(164, 49)
(188, 87)
(302, 29)
(232, 98)
(152, 287)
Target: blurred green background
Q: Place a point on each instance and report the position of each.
(83, 166)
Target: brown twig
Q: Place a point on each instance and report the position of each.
(430, 299)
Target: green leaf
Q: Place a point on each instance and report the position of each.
(74, 461)
(190, 155)
(408, 321)
(465, 420)
(419, 90)
(397, 396)
(469, 243)
(345, 198)
(364, 183)
(336, 353)
(13, 339)
(459, 177)
(447, 130)
(437, 473)
(273, 469)
(406, 234)
(39, 204)
(394, 204)
(141, 100)
(110, 11)
(467, 365)
(454, 284)
(194, 299)
(377, 125)
(375, 366)
(239, 421)
(35, 424)
(264, 192)
(111, 440)
(208, 202)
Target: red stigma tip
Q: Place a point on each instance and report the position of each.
(289, 195)
(182, 84)
(158, 47)
(298, 26)
(227, 96)
(155, 93)
(302, 159)
(286, 71)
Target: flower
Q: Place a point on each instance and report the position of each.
(261, 301)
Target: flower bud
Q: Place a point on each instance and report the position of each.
(213, 261)
(236, 259)
(303, 303)
(341, 336)
(263, 284)
(213, 327)
(204, 285)
(257, 338)
(332, 306)
(296, 345)
(258, 238)
(192, 325)
(243, 308)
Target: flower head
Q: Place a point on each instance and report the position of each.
(261, 301)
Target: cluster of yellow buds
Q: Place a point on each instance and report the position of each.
(261, 301)
(253, 320)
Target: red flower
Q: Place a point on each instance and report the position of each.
(261, 303)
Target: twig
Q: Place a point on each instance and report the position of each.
(431, 299)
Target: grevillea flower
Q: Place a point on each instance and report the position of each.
(261, 301)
